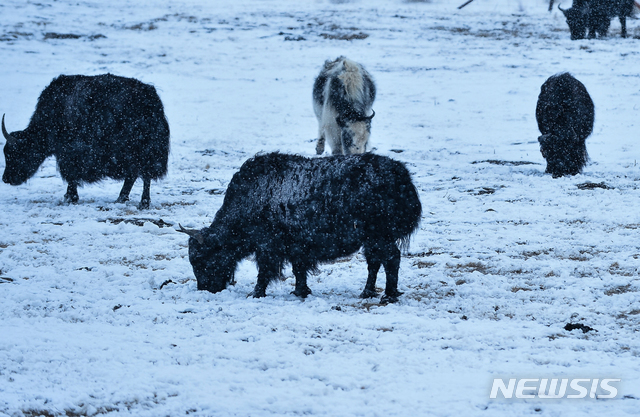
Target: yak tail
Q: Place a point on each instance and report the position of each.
(408, 211)
(413, 212)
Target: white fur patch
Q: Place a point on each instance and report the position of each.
(352, 79)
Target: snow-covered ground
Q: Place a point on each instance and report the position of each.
(99, 309)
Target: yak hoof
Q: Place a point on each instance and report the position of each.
(368, 294)
(257, 294)
(302, 293)
(122, 200)
(71, 199)
(386, 299)
(144, 205)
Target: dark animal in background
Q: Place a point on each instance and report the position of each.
(577, 17)
(565, 115)
(287, 208)
(96, 127)
(592, 18)
(343, 94)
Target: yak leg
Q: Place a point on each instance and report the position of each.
(268, 270)
(386, 254)
(320, 144)
(145, 201)
(72, 193)
(391, 267)
(372, 254)
(346, 140)
(623, 23)
(126, 189)
(300, 272)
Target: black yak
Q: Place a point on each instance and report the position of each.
(96, 127)
(565, 116)
(592, 18)
(287, 208)
(343, 94)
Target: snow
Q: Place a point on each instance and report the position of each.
(100, 311)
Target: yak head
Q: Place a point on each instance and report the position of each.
(577, 20)
(355, 132)
(23, 156)
(213, 260)
(565, 153)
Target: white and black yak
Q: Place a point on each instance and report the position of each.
(343, 94)
(96, 127)
(592, 18)
(287, 208)
(565, 115)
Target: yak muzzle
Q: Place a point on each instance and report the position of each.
(8, 181)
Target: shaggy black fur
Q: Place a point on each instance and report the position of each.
(96, 127)
(565, 115)
(592, 18)
(287, 208)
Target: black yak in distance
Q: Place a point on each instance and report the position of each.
(96, 127)
(343, 94)
(565, 115)
(287, 208)
(592, 18)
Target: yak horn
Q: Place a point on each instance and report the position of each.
(373, 113)
(6, 134)
(561, 9)
(193, 233)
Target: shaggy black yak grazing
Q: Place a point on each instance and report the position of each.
(565, 115)
(287, 208)
(96, 127)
